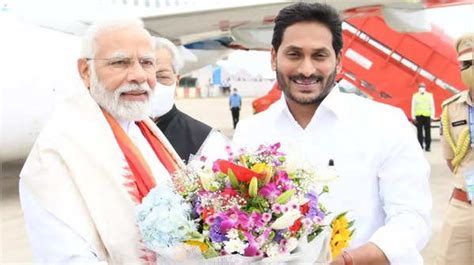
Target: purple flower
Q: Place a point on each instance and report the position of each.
(279, 235)
(215, 231)
(314, 210)
(270, 191)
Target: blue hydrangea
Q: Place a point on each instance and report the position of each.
(163, 218)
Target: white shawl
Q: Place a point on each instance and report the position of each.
(76, 171)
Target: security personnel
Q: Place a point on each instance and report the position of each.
(457, 239)
(422, 111)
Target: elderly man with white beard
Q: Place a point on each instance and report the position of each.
(99, 155)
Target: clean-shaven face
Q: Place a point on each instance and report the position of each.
(306, 63)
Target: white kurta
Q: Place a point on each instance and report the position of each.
(75, 187)
(52, 240)
(383, 174)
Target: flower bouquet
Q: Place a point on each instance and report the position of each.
(249, 208)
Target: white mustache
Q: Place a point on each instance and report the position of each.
(132, 87)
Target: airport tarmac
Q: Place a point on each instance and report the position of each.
(14, 248)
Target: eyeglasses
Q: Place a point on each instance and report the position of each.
(125, 63)
(165, 78)
(465, 64)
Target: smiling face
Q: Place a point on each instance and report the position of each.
(306, 63)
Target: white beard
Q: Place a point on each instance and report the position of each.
(124, 110)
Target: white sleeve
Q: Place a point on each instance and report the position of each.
(52, 241)
(405, 192)
(413, 107)
(214, 147)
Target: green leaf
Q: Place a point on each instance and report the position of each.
(285, 196)
(233, 180)
(253, 187)
(210, 253)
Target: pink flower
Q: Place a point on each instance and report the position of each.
(252, 249)
(276, 208)
(270, 191)
(266, 217)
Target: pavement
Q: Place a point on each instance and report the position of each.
(14, 247)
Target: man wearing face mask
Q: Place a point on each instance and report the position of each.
(457, 120)
(185, 133)
(422, 111)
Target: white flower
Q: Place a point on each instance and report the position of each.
(206, 177)
(233, 233)
(291, 244)
(286, 220)
(235, 245)
(273, 250)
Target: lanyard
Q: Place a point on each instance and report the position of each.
(471, 124)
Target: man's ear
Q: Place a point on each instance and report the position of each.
(177, 80)
(339, 62)
(84, 72)
(274, 54)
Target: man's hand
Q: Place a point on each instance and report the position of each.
(367, 254)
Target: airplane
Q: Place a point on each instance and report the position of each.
(206, 31)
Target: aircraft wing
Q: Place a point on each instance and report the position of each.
(250, 26)
(237, 24)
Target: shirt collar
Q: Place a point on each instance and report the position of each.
(333, 103)
(465, 98)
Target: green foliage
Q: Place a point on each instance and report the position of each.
(258, 204)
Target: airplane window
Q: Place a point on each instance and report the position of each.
(409, 64)
(124, 2)
(157, 3)
(384, 95)
(135, 2)
(367, 85)
(427, 74)
(396, 56)
(167, 3)
(147, 3)
(350, 75)
(176, 3)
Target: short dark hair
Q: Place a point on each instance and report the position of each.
(306, 12)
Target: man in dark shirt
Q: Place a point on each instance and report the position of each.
(185, 133)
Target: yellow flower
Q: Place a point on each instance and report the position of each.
(202, 246)
(263, 168)
(341, 235)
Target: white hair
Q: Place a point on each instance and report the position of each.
(162, 43)
(89, 38)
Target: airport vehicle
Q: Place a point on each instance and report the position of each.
(205, 30)
(387, 66)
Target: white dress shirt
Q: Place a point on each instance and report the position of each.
(383, 175)
(52, 241)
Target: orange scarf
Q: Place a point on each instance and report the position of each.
(140, 171)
